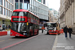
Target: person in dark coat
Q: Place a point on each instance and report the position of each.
(69, 31)
(65, 29)
(9, 26)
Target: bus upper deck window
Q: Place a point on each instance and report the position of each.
(21, 14)
(25, 13)
(15, 13)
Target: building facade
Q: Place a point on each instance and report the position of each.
(67, 11)
(33, 6)
(62, 13)
(53, 15)
(6, 8)
(42, 1)
(54, 12)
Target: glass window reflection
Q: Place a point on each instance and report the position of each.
(0, 2)
(6, 4)
(16, 5)
(25, 5)
(21, 5)
(6, 12)
(0, 10)
(28, 6)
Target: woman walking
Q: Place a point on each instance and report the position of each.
(69, 31)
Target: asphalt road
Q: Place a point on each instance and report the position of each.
(39, 42)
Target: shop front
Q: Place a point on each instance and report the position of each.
(4, 24)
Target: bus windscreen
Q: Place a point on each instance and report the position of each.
(51, 24)
(19, 14)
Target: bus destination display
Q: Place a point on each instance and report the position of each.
(18, 19)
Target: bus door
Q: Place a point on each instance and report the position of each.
(31, 28)
(36, 29)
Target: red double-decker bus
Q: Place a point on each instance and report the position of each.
(24, 23)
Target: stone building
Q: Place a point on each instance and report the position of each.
(52, 17)
(62, 12)
(67, 11)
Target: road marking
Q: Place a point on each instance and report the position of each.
(4, 36)
(17, 43)
(2, 40)
(10, 39)
(0, 49)
(55, 43)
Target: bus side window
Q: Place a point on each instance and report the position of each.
(31, 24)
(25, 13)
(31, 27)
(28, 14)
(45, 25)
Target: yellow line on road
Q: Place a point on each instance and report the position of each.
(11, 39)
(2, 40)
(55, 43)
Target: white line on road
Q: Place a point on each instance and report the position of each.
(55, 43)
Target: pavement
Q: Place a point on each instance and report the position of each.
(62, 43)
(4, 32)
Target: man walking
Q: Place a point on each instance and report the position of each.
(65, 31)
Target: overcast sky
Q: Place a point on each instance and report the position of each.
(55, 4)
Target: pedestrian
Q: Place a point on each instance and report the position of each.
(65, 29)
(9, 26)
(42, 28)
(6, 26)
(69, 31)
